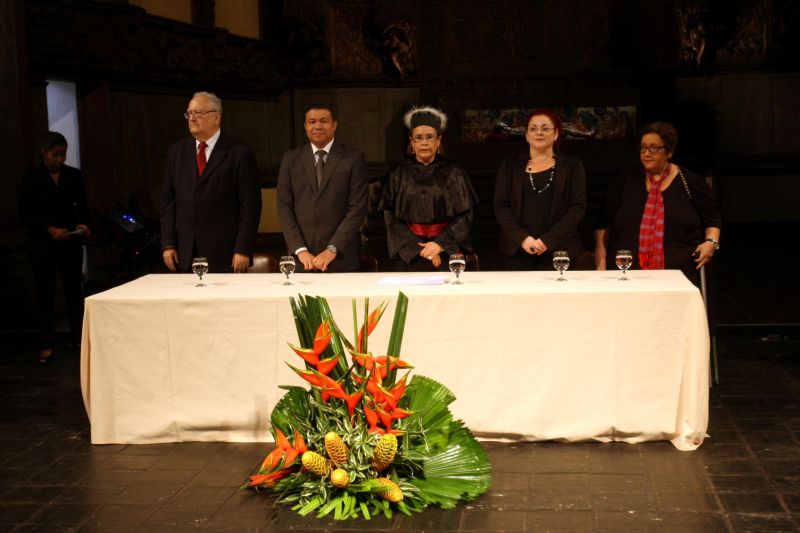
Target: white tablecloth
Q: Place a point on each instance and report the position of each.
(527, 357)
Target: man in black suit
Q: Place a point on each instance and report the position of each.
(211, 200)
(322, 197)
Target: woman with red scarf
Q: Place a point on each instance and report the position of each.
(427, 200)
(667, 217)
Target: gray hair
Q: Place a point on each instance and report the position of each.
(216, 103)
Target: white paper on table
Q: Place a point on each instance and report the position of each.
(392, 281)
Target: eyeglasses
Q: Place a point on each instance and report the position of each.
(651, 149)
(198, 114)
(423, 138)
(543, 129)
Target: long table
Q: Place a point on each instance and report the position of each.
(528, 358)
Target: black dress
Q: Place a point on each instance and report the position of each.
(439, 192)
(685, 219)
(42, 204)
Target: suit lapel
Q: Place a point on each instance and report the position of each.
(308, 160)
(330, 163)
(219, 153)
(190, 156)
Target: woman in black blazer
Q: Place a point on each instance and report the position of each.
(53, 209)
(540, 198)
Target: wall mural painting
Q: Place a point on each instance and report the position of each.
(580, 123)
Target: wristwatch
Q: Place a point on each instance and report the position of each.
(715, 243)
(331, 248)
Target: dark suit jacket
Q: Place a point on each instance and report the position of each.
(331, 214)
(42, 203)
(215, 214)
(566, 211)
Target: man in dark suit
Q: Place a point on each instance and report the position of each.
(211, 200)
(322, 197)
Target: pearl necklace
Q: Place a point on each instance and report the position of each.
(549, 181)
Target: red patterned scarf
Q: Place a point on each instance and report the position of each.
(651, 231)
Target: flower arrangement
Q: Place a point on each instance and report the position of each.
(363, 441)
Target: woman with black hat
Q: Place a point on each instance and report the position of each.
(427, 200)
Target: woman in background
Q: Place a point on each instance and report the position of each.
(427, 200)
(53, 209)
(665, 215)
(540, 198)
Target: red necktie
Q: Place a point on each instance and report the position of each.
(201, 158)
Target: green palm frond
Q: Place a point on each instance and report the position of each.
(429, 399)
(292, 407)
(460, 472)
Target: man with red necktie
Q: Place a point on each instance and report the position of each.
(211, 200)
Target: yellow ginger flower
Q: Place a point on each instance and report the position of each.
(315, 463)
(340, 478)
(334, 445)
(394, 494)
(384, 452)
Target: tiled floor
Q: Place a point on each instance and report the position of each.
(746, 477)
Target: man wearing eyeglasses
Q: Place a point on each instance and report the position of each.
(322, 197)
(210, 201)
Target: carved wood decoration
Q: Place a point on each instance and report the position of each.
(746, 33)
(396, 49)
(784, 42)
(350, 49)
(528, 38)
(749, 40)
(121, 43)
(394, 34)
(306, 40)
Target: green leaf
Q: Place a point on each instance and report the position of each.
(292, 407)
(396, 336)
(398, 325)
(459, 472)
(309, 507)
(330, 506)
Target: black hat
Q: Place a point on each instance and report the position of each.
(426, 116)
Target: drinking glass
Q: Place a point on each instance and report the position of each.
(287, 267)
(457, 265)
(624, 262)
(200, 267)
(561, 263)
